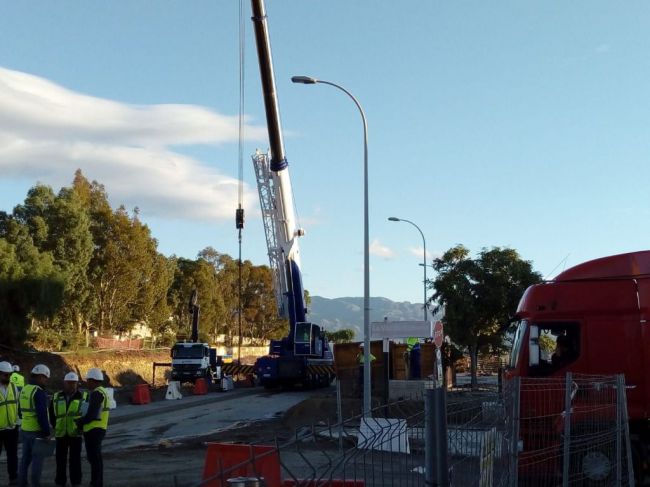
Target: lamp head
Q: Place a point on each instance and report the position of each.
(393, 219)
(305, 80)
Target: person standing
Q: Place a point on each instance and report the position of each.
(361, 362)
(94, 424)
(8, 421)
(17, 378)
(65, 410)
(33, 408)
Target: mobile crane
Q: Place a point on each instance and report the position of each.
(303, 356)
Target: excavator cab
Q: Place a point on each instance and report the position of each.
(308, 341)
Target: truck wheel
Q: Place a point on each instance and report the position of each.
(269, 384)
(640, 455)
(596, 468)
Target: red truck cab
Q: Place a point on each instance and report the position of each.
(591, 319)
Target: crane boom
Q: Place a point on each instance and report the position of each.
(276, 195)
(303, 356)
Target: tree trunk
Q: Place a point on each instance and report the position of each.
(473, 356)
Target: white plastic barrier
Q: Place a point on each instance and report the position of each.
(227, 383)
(173, 390)
(111, 399)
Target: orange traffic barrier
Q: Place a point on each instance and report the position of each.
(200, 387)
(141, 394)
(250, 460)
(328, 483)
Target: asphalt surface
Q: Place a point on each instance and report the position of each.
(129, 412)
(165, 422)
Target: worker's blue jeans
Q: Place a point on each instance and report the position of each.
(27, 438)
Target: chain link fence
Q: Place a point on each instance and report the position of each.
(532, 432)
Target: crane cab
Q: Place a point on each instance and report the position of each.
(308, 340)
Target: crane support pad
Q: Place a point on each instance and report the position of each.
(237, 369)
(321, 370)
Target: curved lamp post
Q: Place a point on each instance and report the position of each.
(424, 259)
(306, 80)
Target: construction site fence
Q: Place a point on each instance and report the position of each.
(520, 435)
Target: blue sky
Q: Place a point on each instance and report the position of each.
(519, 124)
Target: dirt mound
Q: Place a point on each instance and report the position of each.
(121, 368)
(319, 409)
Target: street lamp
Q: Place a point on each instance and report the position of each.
(424, 258)
(307, 80)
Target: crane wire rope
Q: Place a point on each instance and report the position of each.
(239, 214)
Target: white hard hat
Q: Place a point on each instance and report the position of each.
(71, 377)
(6, 367)
(41, 369)
(95, 374)
(16, 368)
(361, 344)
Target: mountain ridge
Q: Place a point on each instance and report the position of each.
(347, 312)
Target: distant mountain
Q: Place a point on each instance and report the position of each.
(337, 313)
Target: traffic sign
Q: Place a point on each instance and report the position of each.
(438, 334)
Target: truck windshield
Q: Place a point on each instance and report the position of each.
(188, 352)
(517, 342)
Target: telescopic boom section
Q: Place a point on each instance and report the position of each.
(286, 230)
(278, 158)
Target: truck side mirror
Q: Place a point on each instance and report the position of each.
(533, 346)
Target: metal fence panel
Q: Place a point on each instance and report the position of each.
(533, 432)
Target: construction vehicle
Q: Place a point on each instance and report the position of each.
(598, 314)
(195, 360)
(303, 356)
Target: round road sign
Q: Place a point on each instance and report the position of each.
(438, 334)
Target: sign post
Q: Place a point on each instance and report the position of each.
(438, 337)
(435, 411)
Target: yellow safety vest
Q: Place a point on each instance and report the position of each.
(102, 422)
(360, 358)
(18, 380)
(9, 408)
(66, 415)
(28, 408)
(411, 342)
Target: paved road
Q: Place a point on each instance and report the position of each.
(162, 421)
(132, 426)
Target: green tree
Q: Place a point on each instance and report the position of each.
(344, 335)
(546, 344)
(480, 296)
(60, 226)
(260, 312)
(30, 286)
(200, 275)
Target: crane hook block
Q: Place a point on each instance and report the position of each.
(239, 218)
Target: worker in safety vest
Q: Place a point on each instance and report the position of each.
(412, 342)
(65, 410)
(35, 424)
(17, 378)
(8, 421)
(360, 361)
(94, 424)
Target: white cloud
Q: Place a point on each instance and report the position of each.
(47, 132)
(418, 252)
(376, 248)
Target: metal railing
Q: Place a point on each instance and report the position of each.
(521, 435)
